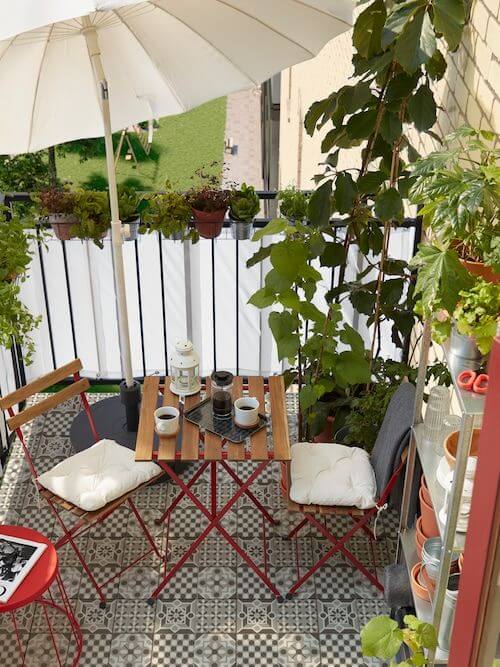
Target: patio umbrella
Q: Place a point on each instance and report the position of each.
(87, 68)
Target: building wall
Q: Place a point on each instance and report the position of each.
(469, 92)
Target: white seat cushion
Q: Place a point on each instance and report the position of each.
(98, 475)
(332, 474)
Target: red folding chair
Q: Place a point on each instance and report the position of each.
(83, 520)
(388, 459)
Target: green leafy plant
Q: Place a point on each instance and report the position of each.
(459, 188)
(16, 321)
(24, 173)
(207, 194)
(398, 53)
(382, 638)
(293, 204)
(91, 207)
(478, 313)
(169, 214)
(244, 204)
(130, 203)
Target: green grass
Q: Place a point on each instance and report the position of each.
(181, 145)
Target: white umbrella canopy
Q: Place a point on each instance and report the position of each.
(74, 69)
(161, 57)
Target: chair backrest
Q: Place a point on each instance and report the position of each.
(394, 435)
(78, 387)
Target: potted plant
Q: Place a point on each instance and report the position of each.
(208, 205)
(169, 214)
(459, 188)
(476, 316)
(130, 205)
(16, 321)
(91, 209)
(293, 204)
(244, 205)
(382, 638)
(57, 204)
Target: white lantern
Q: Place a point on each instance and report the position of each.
(185, 369)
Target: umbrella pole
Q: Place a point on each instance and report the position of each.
(129, 388)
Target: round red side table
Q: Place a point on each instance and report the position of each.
(35, 589)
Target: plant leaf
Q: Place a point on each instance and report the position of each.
(361, 124)
(284, 325)
(436, 67)
(333, 255)
(449, 19)
(391, 127)
(398, 18)
(416, 43)
(319, 207)
(259, 256)
(381, 638)
(262, 298)
(422, 108)
(345, 192)
(389, 205)
(288, 257)
(368, 29)
(275, 226)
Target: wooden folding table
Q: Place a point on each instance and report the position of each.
(210, 451)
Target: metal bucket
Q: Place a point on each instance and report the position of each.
(133, 229)
(464, 346)
(176, 236)
(241, 231)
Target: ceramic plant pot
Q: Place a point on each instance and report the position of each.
(209, 224)
(417, 586)
(481, 270)
(61, 224)
(451, 445)
(425, 491)
(429, 524)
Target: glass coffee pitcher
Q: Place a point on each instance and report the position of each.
(222, 398)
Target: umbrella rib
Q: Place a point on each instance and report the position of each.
(224, 55)
(322, 11)
(266, 25)
(163, 76)
(35, 95)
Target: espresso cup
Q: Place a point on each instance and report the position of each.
(166, 420)
(246, 411)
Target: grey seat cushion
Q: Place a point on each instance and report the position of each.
(394, 434)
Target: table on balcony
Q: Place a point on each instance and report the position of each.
(211, 451)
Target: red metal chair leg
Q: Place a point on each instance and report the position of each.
(296, 530)
(144, 528)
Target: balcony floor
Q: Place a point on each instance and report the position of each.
(215, 611)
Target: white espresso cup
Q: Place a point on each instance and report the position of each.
(246, 411)
(166, 420)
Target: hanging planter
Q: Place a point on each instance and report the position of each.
(209, 224)
(482, 270)
(243, 207)
(168, 214)
(63, 225)
(133, 226)
(130, 206)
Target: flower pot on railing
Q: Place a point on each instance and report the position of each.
(61, 224)
(241, 231)
(209, 223)
(133, 225)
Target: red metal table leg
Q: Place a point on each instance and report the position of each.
(181, 495)
(255, 501)
(214, 523)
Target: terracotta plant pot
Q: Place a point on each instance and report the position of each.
(326, 434)
(481, 270)
(451, 444)
(419, 537)
(417, 587)
(209, 224)
(61, 224)
(425, 491)
(429, 524)
(427, 582)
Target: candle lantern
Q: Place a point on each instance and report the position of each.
(185, 369)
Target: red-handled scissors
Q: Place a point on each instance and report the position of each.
(471, 381)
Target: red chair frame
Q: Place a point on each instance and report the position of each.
(85, 520)
(360, 519)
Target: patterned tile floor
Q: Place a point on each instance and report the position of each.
(215, 612)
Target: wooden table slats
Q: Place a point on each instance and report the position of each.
(166, 446)
(258, 441)
(236, 452)
(190, 433)
(146, 430)
(213, 449)
(213, 443)
(281, 440)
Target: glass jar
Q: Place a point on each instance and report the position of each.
(222, 398)
(438, 407)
